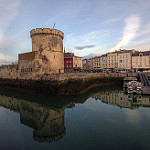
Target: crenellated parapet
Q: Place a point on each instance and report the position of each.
(39, 31)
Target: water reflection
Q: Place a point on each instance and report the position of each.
(119, 98)
(43, 113)
(48, 124)
(46, 115)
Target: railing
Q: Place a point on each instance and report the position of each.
(145, 81)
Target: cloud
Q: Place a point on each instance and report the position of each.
(145, 30)
(112, 20)
(87, 51)
(90, 55)
(142, 38)
(95, 35)
(132, 25)
(141, 42)
(83, 47)
(8, 11)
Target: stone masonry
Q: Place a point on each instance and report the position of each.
(46, 57)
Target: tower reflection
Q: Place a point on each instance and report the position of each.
(48, 124)
(46, 115)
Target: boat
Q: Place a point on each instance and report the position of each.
(132, 86)
(127, 80)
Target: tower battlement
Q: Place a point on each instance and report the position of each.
(46, 31)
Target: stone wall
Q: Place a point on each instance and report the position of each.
(49, 42)
(9, 71)
(47, 39)
(46, 57)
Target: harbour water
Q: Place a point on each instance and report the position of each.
(104, 118)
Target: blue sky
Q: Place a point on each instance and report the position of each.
(91, 27)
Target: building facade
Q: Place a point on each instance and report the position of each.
(122, 60)
(112, 60)
(77, 62)
(141, 61)
(88, 64)
(103, 61)
(96, 62)
(68, 61)
(72, 62)
(125, 59)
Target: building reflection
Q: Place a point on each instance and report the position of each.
(119, 98)
(48, 124)
(46, 116)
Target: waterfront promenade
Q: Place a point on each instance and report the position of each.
(81, 75)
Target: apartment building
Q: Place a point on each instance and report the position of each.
(112, 60)
(125, 59)
(72, 62)
(141, 61)
(77, 62)
(87, 63)
(96, 62)
(103, 61)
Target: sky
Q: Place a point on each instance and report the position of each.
(90, 27)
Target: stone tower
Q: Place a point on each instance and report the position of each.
(49, 43)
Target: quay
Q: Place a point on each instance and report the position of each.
(145, 83)
(67, 83)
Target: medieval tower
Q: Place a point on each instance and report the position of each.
(49, 44)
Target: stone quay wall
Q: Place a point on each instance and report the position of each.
(66, 84)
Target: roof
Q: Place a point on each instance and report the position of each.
(104, 55)
(126, 51)
(145, 53)
(68, 54)
(115, 52)
(77, 57)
